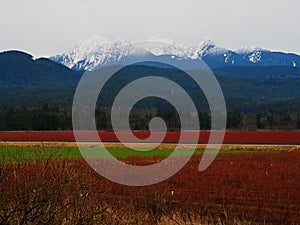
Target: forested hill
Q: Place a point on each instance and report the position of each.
(41, 91)
(25, 81)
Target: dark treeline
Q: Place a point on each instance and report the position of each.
(35, 118)
(53, 118)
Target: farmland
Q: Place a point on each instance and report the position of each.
(52, 184)
(37, 153)
(231, 137)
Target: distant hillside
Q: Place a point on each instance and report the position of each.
(25, 81)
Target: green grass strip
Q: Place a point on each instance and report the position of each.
(11, 154)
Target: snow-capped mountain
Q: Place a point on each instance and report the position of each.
(98, 52)
(89, 54)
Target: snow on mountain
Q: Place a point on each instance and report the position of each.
(89, 54)
(247, 50)
(207, 47)
(253, 54)
(97, 52)
(161, 46)
(294, 64)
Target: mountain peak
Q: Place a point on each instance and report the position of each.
(98, 52)
(246, 50)
(206, 43)
(90, 53)
(207, 47)
(17, 53)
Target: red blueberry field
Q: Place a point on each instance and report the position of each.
(231, 137)
(246, 184)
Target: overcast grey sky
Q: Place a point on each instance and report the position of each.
(47, 27)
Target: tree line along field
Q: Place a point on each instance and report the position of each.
(284, 117)
(54, 185)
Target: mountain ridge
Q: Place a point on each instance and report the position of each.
(97, 52)
(29, 82)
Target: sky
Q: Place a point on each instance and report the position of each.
(49, 27)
